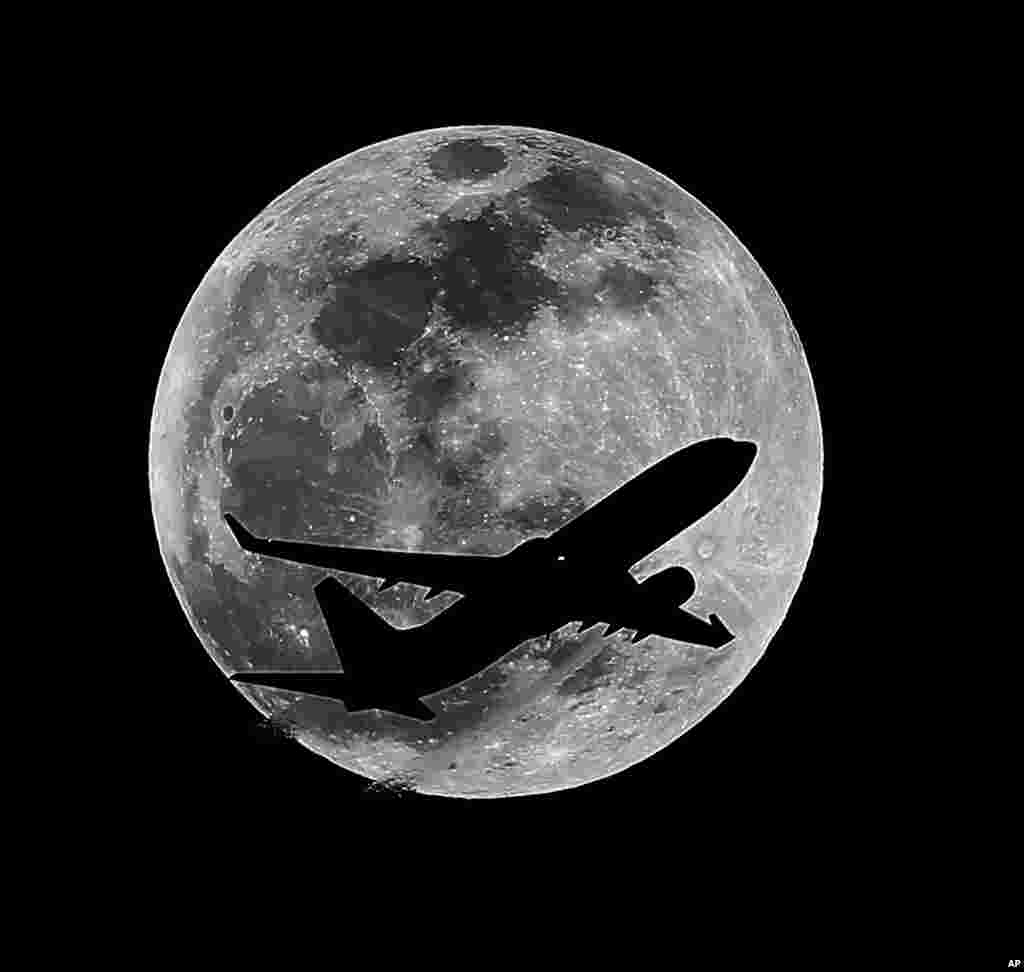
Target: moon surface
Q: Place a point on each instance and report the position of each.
(452, 341)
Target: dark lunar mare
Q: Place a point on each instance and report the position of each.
(577, 197)
(489, 282)
(278, 458)
(483, 273)
(628, 287)
(466, 158)
(378, 310)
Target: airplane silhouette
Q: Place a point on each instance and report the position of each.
(580, 573)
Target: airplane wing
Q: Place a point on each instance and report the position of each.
(442, 572)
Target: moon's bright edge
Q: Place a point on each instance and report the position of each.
(706, 350)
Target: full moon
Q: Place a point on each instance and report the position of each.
(451, 342)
